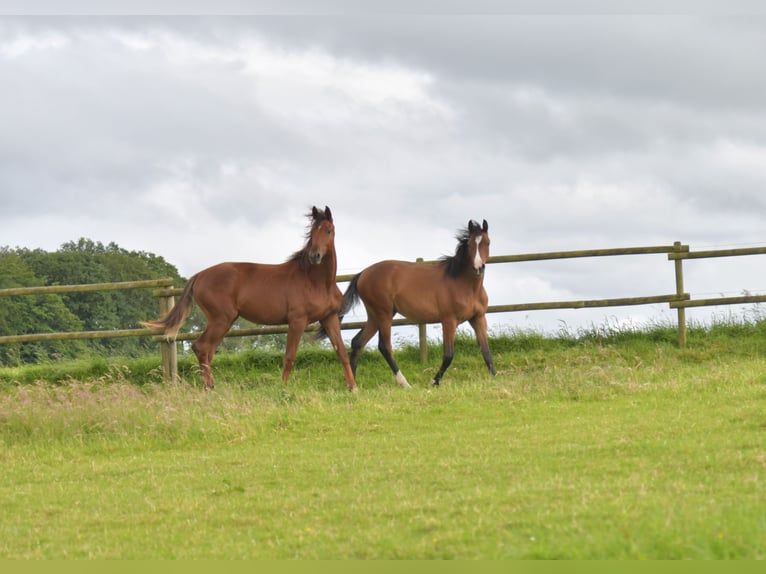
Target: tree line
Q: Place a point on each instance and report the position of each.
(83, 262)
(77, 262)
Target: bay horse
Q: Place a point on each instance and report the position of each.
(449, 292)
(297, 292)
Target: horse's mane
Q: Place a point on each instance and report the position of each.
(454, 265)
(301, 256)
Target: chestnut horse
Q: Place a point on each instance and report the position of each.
(449, 293)
(298, 292)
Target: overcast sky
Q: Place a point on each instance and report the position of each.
(207, 138)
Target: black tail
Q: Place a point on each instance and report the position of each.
(350, 298)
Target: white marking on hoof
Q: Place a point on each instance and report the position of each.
(401, 380)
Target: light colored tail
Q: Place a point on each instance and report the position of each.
(175, 318)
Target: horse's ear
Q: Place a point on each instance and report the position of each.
(485, 226)
(327, 213)
(314, 213)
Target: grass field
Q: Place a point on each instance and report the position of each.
(611, 445)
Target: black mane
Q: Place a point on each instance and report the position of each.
(302, 256)
(454, 265)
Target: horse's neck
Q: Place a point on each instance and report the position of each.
(328, 269)
(471, 279)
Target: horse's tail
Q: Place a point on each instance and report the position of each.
(350, 298)
(173, 320)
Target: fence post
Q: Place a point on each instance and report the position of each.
(679, 265)
(422, 337)
(168, 349)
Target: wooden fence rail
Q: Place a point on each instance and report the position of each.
(147, 283)
(168, 350)
(163, 289)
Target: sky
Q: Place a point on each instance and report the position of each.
(584, 125)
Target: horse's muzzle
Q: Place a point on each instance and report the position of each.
(315, 257)
(479, 272)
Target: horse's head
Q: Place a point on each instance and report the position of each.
(322, 235)
(478, 245)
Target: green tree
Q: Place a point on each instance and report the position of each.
(84, 262)
(23, 314)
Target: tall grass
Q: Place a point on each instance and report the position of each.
(610, 445)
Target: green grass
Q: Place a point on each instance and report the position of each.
(606, 445)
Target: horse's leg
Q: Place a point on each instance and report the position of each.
(331, 326)
(384, 346)
(295, 329)
(204, 347)
(479, 324)
(359, 342)
(449, 327)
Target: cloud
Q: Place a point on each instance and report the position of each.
(20, 45)
(207, 138)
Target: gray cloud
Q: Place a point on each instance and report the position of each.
(207, 138)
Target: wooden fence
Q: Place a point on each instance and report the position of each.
(164, 290)
(168, 349)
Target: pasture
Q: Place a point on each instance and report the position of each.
(611, 445)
